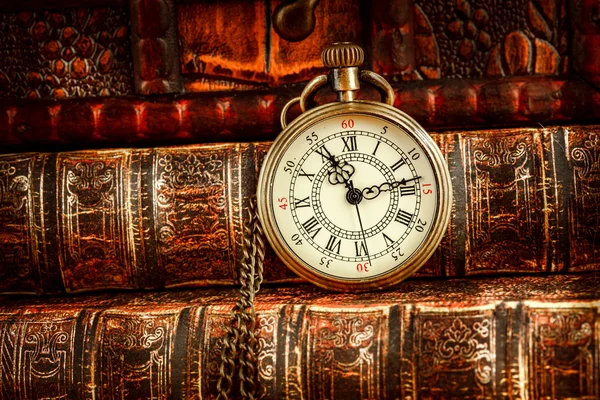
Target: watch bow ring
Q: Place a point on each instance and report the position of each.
(353, 195)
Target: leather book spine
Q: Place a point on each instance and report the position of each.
(155, 48)
(524, 202)
(482, 338)
(254, 115)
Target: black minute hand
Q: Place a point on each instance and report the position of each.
(372, 192)
(362, 230)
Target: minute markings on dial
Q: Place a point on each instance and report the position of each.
(374, 155)
(328, 226)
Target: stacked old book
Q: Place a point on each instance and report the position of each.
(132, 134)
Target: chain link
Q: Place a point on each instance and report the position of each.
(239, 346)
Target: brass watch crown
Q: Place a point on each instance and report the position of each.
(344, 60)
(343, 54)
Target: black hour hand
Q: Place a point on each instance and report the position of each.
(372, 192)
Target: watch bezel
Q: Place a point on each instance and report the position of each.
(369, 108)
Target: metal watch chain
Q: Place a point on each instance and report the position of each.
(240, 346)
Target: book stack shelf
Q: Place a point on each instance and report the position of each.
(131, 137)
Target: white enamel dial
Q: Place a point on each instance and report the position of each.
(352, 198)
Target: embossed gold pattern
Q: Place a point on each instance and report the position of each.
(456, 354)
(563, 352)
(19, 262)
(501, 179)
(93, 225)
(135, 354)
(344, 351)
(489, 337)
(584, 213)
(37, 355)
(193, 218)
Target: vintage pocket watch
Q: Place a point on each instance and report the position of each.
(353, 195)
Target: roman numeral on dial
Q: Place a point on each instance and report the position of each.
(361, 248)
(349, 143)
(334, 244)
(312, 227)
(324, 153)
(388, 241)
(407, 190)
(403, 217)
(299, 203)
(376, 147)
(308, 176)
(398, 164)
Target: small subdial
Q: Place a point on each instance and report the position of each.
(377, 214)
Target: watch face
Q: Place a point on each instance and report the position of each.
(352, 199)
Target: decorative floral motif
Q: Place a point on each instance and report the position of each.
(135, 335)
(42, 351)
(191, 193)
(92, 199)
(90, 182)
(563, 352)
(135, 354)
(502, 162)
(456, 345)
(348, 332)
(13, 189)
(469, 28)
(7, 169)
(584, 213)
(459, 341)
(587, 157)
(566, 330)
(46, 339)
(18, 259)
(88, 176)
(497, 152)
(346, 346)
(267, 343)
(503, 232)
(191, 171)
